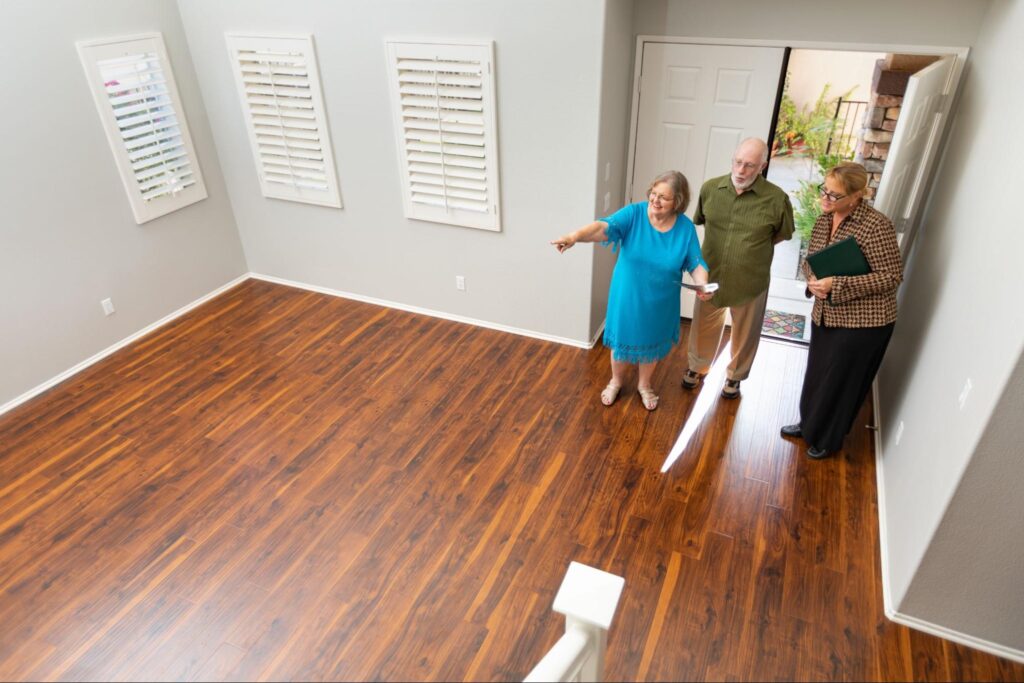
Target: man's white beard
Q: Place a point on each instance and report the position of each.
(743, 187)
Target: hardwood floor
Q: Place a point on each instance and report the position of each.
(286, 485)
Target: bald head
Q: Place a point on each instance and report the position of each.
(753, 147)
(748, 161)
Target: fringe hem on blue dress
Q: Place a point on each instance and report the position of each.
(649, 353)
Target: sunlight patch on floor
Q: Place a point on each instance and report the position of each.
(709, 389)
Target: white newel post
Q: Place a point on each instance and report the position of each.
(588, 598)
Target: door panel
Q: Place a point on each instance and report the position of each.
(913, 147)
(697, 102)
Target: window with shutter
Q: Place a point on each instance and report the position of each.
(279, 86)
(445, 125)
(137, 99)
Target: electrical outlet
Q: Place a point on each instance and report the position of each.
(963, 393)
(460, 283)
(108, 306)
(607, 201)
(899, 433)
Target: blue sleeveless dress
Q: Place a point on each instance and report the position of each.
(642, 324)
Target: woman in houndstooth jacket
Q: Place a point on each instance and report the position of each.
(853, 316)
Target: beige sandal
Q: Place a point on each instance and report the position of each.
(610, 393)
(649, 398)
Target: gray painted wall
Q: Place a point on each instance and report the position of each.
(616, 97)
(548, 74)
(67, 236)
(955, 532)
(970, 575)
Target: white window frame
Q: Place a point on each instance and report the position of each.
(482, 190)
(304, 172)
(192, 188)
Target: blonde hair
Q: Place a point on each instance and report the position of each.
(677, 183)
(851, 175)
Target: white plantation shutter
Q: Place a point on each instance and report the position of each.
(135, 94)
(444, 112)
(279, 86)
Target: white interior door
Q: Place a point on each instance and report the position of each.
(697, 102)
(914, 147)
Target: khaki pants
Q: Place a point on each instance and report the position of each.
(706, 335)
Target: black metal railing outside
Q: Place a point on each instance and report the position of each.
(844, 126)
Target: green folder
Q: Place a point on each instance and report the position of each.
(842, 258)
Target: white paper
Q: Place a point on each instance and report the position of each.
(703, 289)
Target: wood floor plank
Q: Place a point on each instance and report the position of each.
(668, 587)
(286, 485)
(219, 665)
(714, 616)
(929, 658)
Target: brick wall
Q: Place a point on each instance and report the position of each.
(888, 85)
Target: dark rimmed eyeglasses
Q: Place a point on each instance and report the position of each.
(831, 195)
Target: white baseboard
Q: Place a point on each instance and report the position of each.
(890, 611)
(427, 311)
(957, 637)
(35, 391)
(883, 535)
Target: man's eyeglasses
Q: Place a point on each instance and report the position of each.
(831, 195)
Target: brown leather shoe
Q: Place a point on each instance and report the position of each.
(691, 379)
(731, 388)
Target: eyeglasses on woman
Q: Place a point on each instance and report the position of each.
(831, 195)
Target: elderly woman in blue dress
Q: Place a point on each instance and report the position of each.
(656, 244)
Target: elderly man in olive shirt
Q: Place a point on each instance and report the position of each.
(745, 216)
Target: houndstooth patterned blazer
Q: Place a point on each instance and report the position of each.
(862, 300)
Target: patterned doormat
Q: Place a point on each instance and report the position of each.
(779, 324)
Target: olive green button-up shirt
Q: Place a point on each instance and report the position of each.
(740, 234)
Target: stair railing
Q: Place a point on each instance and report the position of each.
(588, 598)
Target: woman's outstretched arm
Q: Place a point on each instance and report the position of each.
(591, 232)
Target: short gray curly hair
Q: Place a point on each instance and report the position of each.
(680, 188)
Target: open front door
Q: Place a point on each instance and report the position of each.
(914, 148)
(697, 102)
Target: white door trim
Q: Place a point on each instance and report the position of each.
(960, 54)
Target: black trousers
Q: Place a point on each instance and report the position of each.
(841, 364)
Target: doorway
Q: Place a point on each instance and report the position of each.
(824, 98)
(668, 80)
(696, 103)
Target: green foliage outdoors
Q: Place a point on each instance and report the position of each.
(806, 133)
(806, 207)
(806, 210)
